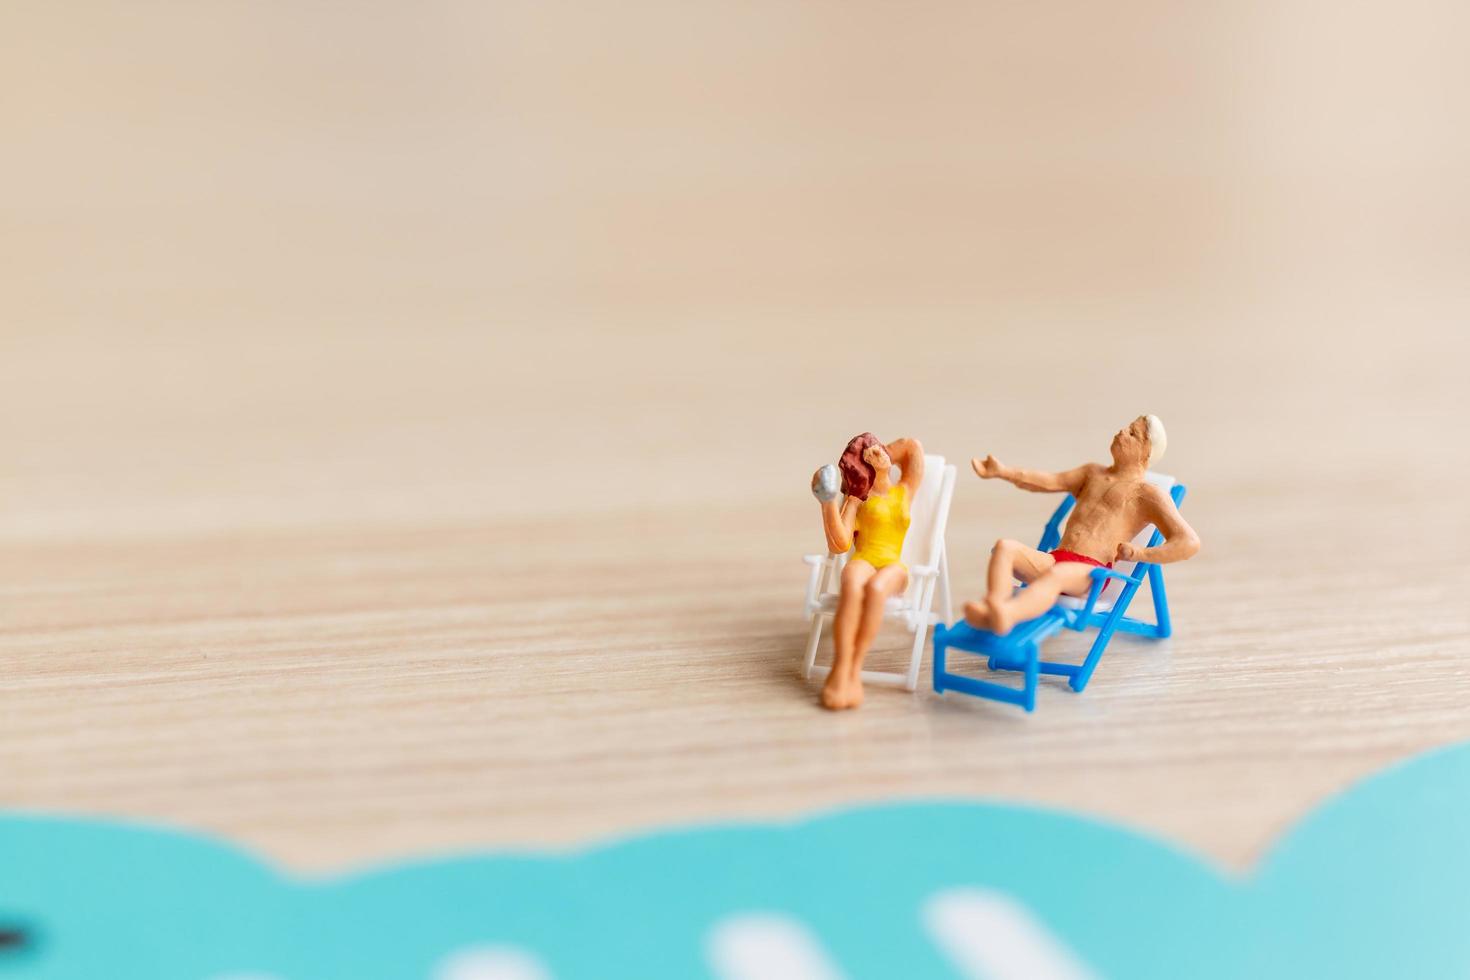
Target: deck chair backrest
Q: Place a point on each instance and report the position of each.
(927, 514)
(1114, 587)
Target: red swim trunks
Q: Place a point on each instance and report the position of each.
(1062, 555)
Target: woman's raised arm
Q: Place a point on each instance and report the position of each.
(838, 524)
(908, 455)
(839, 513)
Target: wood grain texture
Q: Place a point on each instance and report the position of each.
(408, 451)
(348, 690)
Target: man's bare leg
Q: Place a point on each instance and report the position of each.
(1009, 560)
(855, 578)
(1068, 577)
(888, 582)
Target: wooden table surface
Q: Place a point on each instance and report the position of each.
(406, 442)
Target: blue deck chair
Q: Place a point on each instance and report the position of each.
(1105, 607)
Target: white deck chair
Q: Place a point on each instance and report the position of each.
(923, 553)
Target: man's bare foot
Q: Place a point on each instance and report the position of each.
(1001, 619)
(977, 614)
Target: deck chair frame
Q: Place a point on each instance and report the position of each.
(1019, 650)
(915, 607)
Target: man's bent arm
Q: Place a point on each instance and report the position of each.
(1180, 541)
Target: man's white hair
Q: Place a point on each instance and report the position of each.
(1158, 439)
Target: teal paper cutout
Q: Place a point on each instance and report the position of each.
(1374, 883)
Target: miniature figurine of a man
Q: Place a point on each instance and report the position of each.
(1114, 503)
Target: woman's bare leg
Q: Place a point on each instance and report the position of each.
(1009, 560)
(855, 577)
(1066, 576)
(888, 582)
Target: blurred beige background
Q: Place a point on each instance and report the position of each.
(408, 408)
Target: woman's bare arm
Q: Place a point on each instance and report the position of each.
(1038, 481)
(908, 456)
(837, 522)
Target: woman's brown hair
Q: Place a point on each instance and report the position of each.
(857, 475)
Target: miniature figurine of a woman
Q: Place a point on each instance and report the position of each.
(872, 519)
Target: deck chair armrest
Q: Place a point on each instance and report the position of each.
(820, 565)
(1100, 578)
(924, 571)
(1099, 574)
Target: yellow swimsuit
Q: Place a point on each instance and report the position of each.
(881, 524)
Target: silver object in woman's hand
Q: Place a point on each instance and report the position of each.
(825, 484)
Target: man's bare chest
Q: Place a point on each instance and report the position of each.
(1105, 502)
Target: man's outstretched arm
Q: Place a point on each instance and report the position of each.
(1038, 481)
(1180, 541)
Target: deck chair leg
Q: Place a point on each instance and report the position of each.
(937, 669)
(916, 658)
(1033, 675)
(920, 623)
(1084, 673)
(1161, 602)
(944, 586)
(813, 640)
(1161, 627)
